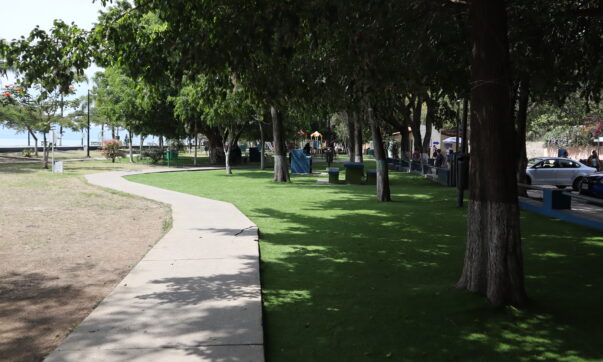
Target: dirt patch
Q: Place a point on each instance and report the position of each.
(64, 245)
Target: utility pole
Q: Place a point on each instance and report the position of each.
(88, 135)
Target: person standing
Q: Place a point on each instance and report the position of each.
(593, 160)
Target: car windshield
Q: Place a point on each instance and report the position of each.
(533, 161)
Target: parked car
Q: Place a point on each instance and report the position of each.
(592, 185)
(557, 171)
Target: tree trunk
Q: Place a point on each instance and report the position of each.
(493, 264)
(161, 142)
(130, 146)
(227, 158)
(404, 137)
(35, 140)
(196, 144)
(351, 136)
(112, 132)
(227, 144)
(262, 147)
(383, 192)
(357, 138)
(141, 142)
(215, 147)
(281, 168)
(416, 124)
(44, 151)
(428, 125)
(522, 114)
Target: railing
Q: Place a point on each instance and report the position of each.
(556, 201)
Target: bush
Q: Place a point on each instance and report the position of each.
(155, 154)
(111, 149)
(28, 152)
(176, 145)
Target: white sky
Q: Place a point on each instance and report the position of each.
(19, 17)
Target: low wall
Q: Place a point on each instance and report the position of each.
(576, 153)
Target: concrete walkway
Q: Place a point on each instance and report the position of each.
(195, 296)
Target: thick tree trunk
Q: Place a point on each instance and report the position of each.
(130, 147)
(351, 136)
(416, 125)
(428, 125)
(357, 138)
(281, 168)
(383, 192)
(493, 264)
(521, 119)
(215, 147)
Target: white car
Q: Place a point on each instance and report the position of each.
(557, 171)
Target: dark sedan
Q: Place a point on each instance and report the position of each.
(592, 185)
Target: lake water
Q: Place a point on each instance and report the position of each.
(9, 137)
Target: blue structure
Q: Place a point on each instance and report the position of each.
(300, 163)
(557, 204)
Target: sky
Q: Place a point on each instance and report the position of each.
(19, 17)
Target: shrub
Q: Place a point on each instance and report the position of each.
(155, 154)
(111, 149)
(28, 152)
(176, 145)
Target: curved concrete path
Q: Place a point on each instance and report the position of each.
(195, 296)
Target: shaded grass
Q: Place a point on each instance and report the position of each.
(349, 279)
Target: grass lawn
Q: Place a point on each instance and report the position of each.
(346, 278)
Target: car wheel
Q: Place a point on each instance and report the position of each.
(576, 184)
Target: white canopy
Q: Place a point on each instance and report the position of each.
(452, 140)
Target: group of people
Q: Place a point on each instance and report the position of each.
(442, 160)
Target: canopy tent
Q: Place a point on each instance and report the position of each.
(452, 140)
(316, 135)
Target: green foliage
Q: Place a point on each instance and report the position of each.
(28, 152)
(54, 60)
(568, 123)
(176, 145)
(156, 154)
(111, 149)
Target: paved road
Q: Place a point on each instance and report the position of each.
(195, 296)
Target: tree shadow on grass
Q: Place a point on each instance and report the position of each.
(373, 285)
(348, 278)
